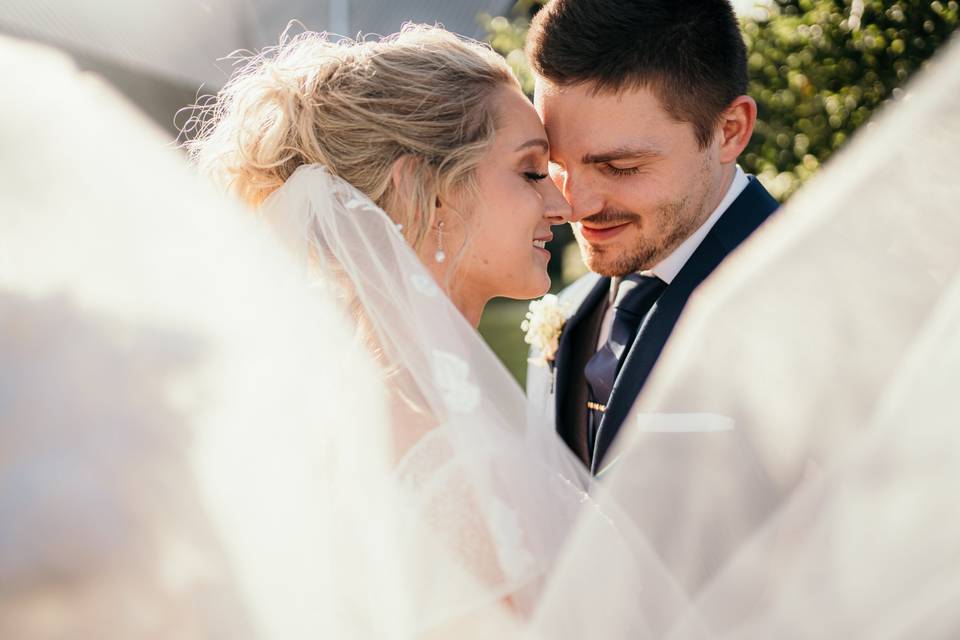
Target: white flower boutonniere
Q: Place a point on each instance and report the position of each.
(543, 325)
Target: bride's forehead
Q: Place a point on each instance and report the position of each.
(516, 117)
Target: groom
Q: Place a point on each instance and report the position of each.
(644, 105)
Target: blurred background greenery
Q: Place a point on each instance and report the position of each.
(818, 70)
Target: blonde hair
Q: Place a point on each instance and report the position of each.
(357, 107)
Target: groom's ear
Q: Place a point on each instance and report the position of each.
(736, 127)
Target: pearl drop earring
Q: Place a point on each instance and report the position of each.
(440, 256)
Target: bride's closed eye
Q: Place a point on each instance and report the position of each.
(533, 176)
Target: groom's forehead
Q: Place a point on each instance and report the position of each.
(573, 101)
(590, 89)
(579, 119)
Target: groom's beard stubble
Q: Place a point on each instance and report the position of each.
(645, 253)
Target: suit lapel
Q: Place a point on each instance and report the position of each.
(747, 212)
(650, 340)
(564, 372)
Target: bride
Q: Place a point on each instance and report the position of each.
(409, 175)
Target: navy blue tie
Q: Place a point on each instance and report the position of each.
(634, 298)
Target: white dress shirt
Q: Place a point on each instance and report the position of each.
(668, 268)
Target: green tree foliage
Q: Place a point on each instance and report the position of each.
(818, 70)
(509, 35)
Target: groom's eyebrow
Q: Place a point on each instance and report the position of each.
(622, 153)
(535, 142)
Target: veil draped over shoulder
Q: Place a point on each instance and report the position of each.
(483, 498)
(352, 453)
(209, 433)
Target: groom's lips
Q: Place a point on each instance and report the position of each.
(600, 234)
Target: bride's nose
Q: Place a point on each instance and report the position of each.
(556, 208)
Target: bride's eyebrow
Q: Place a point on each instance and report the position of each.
(534, 142)
(622, 153)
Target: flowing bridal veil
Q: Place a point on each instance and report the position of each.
(197, 442)
(166, 389)
(228, 448)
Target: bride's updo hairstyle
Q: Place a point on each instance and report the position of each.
(357, 107)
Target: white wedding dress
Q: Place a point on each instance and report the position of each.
(195, 442)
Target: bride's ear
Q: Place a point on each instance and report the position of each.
(402, 173)
(403, 176)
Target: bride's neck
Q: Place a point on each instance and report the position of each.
(470, 301)
(470, 306)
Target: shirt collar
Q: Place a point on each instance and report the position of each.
(668, 268)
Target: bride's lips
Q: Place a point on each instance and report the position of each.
(539, 245)
(601, 234)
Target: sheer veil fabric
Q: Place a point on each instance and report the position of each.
(335, 482)
(189, 400)
(163, 416)
(475, 481)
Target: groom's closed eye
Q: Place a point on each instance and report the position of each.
(614, 170)
(623, 160)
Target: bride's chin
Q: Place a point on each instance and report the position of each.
(534, 285)
(542, 288)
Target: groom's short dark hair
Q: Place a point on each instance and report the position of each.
(689, 52)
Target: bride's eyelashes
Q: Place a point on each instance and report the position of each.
(533, 176)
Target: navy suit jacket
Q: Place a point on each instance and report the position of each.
(753, 206)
